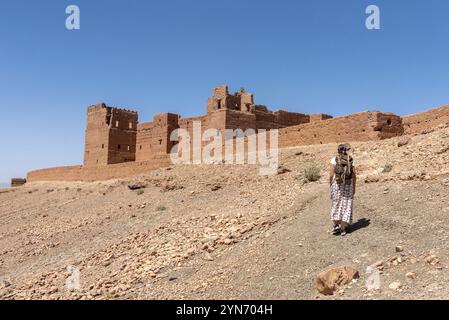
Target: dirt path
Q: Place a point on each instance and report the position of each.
(282, 262)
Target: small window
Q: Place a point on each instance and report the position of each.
(116, 124)
(389, 122)
(119, 147)
(140, 147)
(160, 141)
(219, 104)
(102, 146)
(129, 148)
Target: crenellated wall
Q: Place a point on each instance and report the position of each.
(118, 146)
(364, 126)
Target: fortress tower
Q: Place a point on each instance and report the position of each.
(240, 101)
(110, 136)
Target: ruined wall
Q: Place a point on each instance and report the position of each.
(113, 171)
(144, 141)
(153, 138)
(319, 117)
(110, 135)
(222, 99)
(426, 121)
(364, 126)
(17, 182)
(287, 119)
(218, 99)
(243, 101)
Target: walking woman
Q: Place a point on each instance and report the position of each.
(342, 179)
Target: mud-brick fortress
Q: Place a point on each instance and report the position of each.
(117, 145)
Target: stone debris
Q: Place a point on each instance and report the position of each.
(411, 275)
(136, 185)
(327, 282)
(403, 141)
(432, 259)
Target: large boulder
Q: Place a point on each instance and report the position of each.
(327, 282)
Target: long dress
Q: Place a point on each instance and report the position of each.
(342, 197)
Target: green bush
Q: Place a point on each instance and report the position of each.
(161, 208)
(312, 174)
(140, 191)
(387, 168)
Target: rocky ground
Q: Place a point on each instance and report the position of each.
(225, 232)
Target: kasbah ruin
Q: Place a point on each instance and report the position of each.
(117, 145)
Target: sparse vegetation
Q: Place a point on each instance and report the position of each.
(161, 208)
(140, 192)
(312, 174)
(387, 168)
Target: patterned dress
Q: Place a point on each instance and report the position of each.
(342, 200)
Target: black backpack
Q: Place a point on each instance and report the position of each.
(343, 169)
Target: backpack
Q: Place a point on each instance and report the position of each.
(343, 169)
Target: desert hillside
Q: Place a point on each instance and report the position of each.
(225, 232)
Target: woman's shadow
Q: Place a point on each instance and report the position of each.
(360, 224)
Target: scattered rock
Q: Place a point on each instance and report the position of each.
(378, 263)
(329, 281)
(371, 179)
(411, 275)
(432, 259)
(282, 170)
(208, 257)
(404, 141)
(136, 185)
(172, 187)
(53, 290)
(5, 283)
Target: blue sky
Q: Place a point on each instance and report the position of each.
(164, 55)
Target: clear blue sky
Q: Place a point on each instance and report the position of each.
(154, 56)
